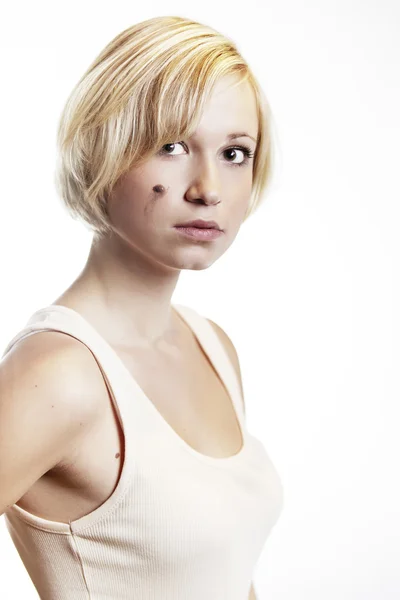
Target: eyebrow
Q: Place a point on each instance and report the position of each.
(233, 136)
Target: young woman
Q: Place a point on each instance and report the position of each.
(127, 470)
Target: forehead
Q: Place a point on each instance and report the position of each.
(230, 109)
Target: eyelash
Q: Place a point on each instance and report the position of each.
(245, 149)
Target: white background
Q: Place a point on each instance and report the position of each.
(309, 292)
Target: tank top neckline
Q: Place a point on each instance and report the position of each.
(180, 310)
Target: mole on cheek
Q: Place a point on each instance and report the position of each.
(159, 189)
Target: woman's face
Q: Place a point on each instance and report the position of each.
(204, 177)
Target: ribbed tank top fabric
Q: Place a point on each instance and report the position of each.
(180, 525)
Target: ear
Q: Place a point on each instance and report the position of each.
(231, 351)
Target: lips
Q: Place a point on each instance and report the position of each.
(200, 224)
(205, 234)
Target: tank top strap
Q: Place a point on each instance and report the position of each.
(215, 350)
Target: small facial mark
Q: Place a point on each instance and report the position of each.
(157, 192)
(117, 455)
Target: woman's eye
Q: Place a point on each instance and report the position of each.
(168, 146)
(235, 152)
(168, 149)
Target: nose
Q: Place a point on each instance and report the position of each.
(204, 188)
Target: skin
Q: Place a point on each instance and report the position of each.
(126, 286)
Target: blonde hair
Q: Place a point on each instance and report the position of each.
(146, 88)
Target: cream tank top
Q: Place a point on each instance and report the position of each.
(180, 525)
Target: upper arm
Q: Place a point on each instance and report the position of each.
(231, 351)
(45, 404)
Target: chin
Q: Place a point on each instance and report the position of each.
(196, 264)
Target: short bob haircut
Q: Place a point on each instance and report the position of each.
(146, 88)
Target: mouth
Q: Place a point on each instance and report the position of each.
(200, 233)
(200, 224)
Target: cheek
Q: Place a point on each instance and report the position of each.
(129, 199)
(242, 202)
(137, 210)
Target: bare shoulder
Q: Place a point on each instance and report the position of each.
(49, 399)
(52, 360)
(49, 381)
(231, 351)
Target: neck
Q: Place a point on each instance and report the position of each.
(124, 292)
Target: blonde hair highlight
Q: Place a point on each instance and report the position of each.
(147, 88)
